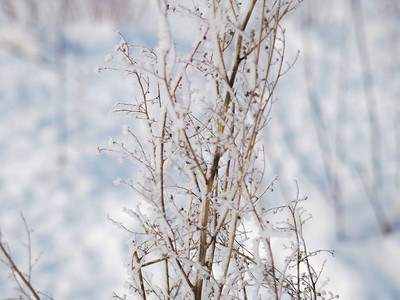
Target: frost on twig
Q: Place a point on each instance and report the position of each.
(22, 279)
(204, 229)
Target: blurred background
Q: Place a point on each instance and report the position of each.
(334, 128)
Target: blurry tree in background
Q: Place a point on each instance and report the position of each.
(44, 24)
(350, 68)
(50, 110)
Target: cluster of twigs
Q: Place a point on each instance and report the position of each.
(204, 227)
(22, 280)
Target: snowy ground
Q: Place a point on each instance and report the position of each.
(55, 111)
